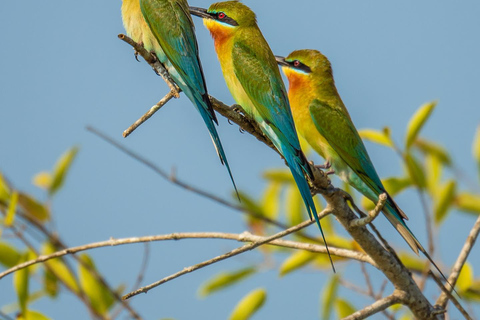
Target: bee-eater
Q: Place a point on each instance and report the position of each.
(254, 80)
(165, 27)
(323, 120)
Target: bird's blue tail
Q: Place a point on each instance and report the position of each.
(299, 167)
(205, 108)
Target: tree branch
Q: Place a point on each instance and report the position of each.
(378, 306)
(462, 258)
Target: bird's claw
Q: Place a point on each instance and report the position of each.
(326, 165)
(329, 172)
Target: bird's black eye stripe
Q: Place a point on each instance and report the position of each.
(221, 16)
(295, 64)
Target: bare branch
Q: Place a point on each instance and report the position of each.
(378, 306)
(462, 258)
(454, 300)
(360, 222)
(149, 113)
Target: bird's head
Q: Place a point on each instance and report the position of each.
(225, 17)
(305, 64)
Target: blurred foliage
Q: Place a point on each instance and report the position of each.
(428, 168)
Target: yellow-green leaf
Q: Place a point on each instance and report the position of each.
(376, 137)
(468, 202)
(294, 206)
(433, 170)
(412, 262)
(100, 298)
(9, 256)
(465, 279)
(33, 315)
(43, 180)
(367, 204)
(296, 261)
(395, 185)
(59, 269)
(329, 296)
(223, 280)
(20, 282)
(417, 121)
(50, 283)
(415, 171)
(343, 308)
(283, 176)
(249, 305)
(12, 209)
(33, 207)
(4, 189)
(271, 200)
(61, 168)
(444, 200)
(476, 149)
(433, 149)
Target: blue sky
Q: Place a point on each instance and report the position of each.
(63, 68)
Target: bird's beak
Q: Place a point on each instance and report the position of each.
(281, 61)
(200, 12)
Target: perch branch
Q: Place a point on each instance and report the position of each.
(360, 222)
(377, 306)
(462, 258)
(454, 300)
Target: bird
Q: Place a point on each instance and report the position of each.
(253, 78)
(324, 122)
(165, 28)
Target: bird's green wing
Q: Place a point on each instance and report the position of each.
(337, 128)
(257, 71)
(172, 25)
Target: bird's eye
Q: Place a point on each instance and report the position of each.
(221, 15)
(296, 63)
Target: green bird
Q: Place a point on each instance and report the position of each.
(165, 27)
(323, 120)
(254, 80)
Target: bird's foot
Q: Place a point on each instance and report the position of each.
(326, 165)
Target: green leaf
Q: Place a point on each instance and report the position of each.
(33, 208)
(100, 298)
(296, 261)
(224, 280)
(376, 137)
(329, 296)
(294, 206)
(61, 169)
(33, 315)
(9, 256)
(468, 202)
(433, 170)
(465, 279)
(249, 305)
(43, 180)
(50, 283)
(283, 176)
(59, 269)
(476, 149)
(271, 200)
(395, 185)
(417, 121)
(12, 209)
(4, 189)
(444, 200)
(343, 308)
(433, 149)
(20, 282)
(415, 171)
(412, 262)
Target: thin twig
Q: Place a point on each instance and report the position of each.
(360, 222)
(244, 237)
(377, 306)
(227, 255)
(462, 258)
(149, 113)
(446, 292)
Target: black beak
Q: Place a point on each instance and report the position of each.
(281, 61)
(200, 12)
